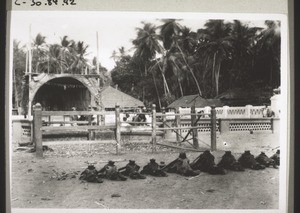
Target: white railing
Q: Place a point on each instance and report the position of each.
(248, 111)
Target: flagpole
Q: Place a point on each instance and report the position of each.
(97, 53)
(26, 66)
(29, 72)
(97, 61)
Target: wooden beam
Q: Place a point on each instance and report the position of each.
(178, 147)
(37, 121)
(76, 128)
(118, 130)
(180, 128)
(61, 113)
(153, 128)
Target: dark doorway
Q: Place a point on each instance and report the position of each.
(63, 94)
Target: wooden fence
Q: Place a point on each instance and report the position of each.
(158, 125)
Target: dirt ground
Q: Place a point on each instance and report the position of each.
(35, 184)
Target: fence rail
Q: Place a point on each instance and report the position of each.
(162, 123)
(158, 125)
(247, 111)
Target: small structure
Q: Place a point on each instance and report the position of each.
(194, 100)
(276, 101)
(111, 96)
(61, 92)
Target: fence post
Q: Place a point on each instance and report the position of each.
(118, 130)
(178, 124)
(272, 124)
(207, 110)
(153, 128)
(225, 111)
(213, 129)
(164, 119)
(193, 124)
(248, 111)
(37, 124)
(90, 123)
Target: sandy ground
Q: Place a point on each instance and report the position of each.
(34, 182)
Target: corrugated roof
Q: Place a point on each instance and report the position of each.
(111, 96)
(190, 100)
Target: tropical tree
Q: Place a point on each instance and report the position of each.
(39, 50)
(66, 52)
(80, 52)
(243, 39)
(217, 46)
(19, 58)
(147, 46)
(268, 47)
(179, 42)
(55, 61)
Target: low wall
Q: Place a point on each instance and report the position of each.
(21, 130)
(243, 124)
(225, 125)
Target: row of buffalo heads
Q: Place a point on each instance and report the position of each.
(205, 162)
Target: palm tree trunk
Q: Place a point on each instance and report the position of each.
(191, 71)
(217, 78)
(15, 88)
(179, 83)
(180, 88)
(61, 70)
(156, 89)
(213, 68)
(166, 87)
(48, 65)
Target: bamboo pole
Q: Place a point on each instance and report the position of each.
(29, 71)
(97, 63)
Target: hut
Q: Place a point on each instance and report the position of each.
(111, 96)
(191, 100)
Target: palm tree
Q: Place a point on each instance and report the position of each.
(168, 30)
(174, 35)
(55, 61)
(216, 43)
(269, 42)
(19, 58)
(146, 48)
(80, 52)
(39, 44)
(66, 46)
(243, 39)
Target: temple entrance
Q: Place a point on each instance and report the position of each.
(61, 94)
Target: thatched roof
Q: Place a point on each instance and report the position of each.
(111, 96)
(190, 100)
(242, 97)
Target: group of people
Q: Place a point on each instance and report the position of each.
(138, 119)
(205, 162)
(267, 112)
(90, 118)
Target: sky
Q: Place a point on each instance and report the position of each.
(115, 29)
